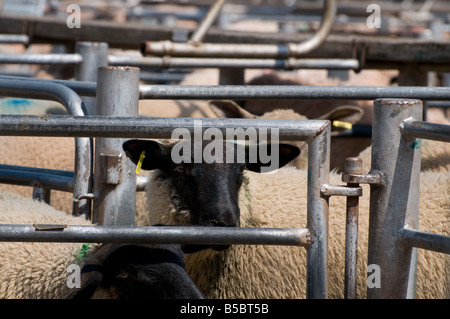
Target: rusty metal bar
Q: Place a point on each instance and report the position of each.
(168, 48)
(234, 63)
(339, 190)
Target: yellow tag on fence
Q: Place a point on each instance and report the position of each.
(139, 164)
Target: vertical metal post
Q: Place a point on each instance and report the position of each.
(41, 194)
(353, 165)
(114, 178)
(395, 203)
(317, 215)
(95, 55)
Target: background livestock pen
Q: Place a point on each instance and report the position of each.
(107, 96)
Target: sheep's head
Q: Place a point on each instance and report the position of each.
(207, 187)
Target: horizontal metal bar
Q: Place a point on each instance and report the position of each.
(42, 90)
(82, 88)
(51, 58)
(14, 38)
(36, 170)
(251, 92)
(146, 127)
(292, 63)
(340, 190)
(426, 130)
(425, 240)
(372, 178)
(247, 92)
(25, 176)
(157, 234)
(31, 178)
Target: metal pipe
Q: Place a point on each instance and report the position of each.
(329, 14)
(285, 64)
(156, 234)
(395, 203)
(222, 50)
(41, 194)
(352, 166)
(146, 127)
(16, 176)
(115, 178)
(425, 240)
(50, 58)
(81, 88)
(339, 190)
(14, 38)
(36, 170)
(317, 214)
(94, 55)
(249, 92)
(206, 23)
(75, 106)
(427, 130)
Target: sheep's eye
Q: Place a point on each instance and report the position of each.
(123, 275)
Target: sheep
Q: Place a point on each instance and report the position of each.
(279, 200)
(434, 157)
(341, 148)
(45, 270)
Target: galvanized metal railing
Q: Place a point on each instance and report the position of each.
(316, 133)
(116, 222)
(74, 105)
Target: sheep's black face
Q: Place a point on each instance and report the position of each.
(207, 189)
(137, 271)
(209, 192)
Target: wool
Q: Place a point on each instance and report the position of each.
(30, 269)
(279, 200)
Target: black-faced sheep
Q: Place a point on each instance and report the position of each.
(46, 270)
(279, 200)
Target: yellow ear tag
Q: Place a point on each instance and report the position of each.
(139, 164)
(345, 125)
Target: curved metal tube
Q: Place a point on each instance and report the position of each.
(169, 48)
(329, 14)
(74, 104)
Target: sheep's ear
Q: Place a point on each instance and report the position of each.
(229, 109)
(156, 154)
(286, 153)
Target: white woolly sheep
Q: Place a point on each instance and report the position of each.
(272, 200)
(279, 200)
(40, 270)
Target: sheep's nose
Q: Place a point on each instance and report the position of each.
(228, 220)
